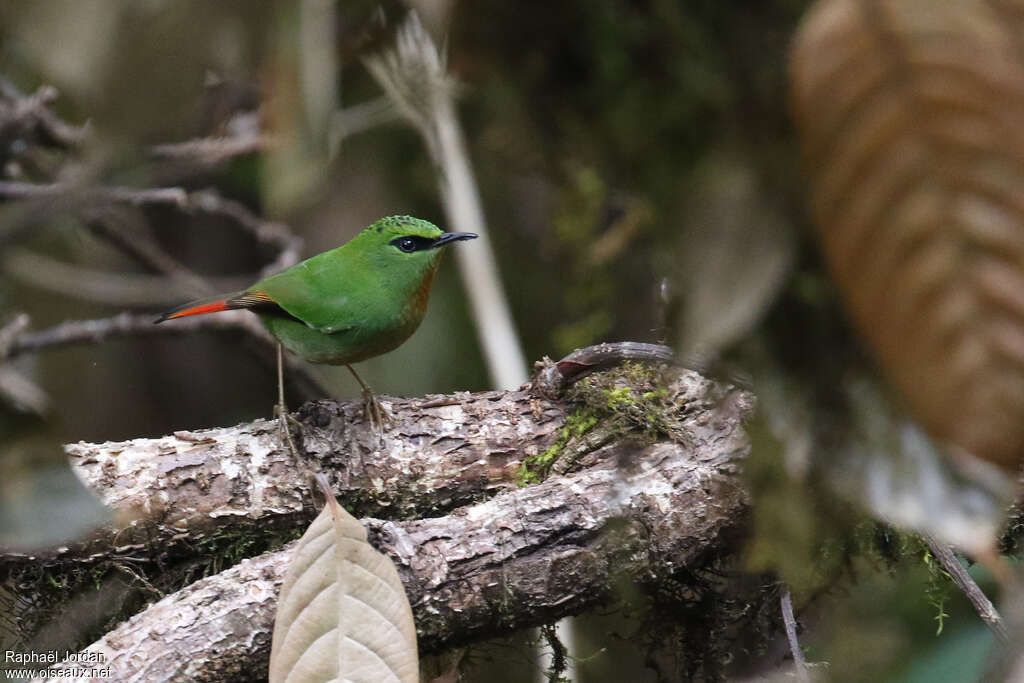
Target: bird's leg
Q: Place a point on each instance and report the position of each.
(375, 412)
(281, 409)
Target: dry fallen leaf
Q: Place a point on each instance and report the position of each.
(342, 614)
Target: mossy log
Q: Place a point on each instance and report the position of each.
(479, 553)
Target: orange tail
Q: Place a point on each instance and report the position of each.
(224, 302)
(194, 308)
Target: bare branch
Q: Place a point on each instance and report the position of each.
(275, 235)
(215, 150)
(174, 196)
(22, 393)
(799, 663)
(31, 115)
(206, 201)
(120, 227)
(967, 585)
(10, 332)
(114, 289)
(78, 332)
(361, 117)
(344, 123)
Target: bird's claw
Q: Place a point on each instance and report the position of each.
(376, 414)
(285, 420)
(278, 412)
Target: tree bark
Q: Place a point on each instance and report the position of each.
(438, 453)
(637, 511)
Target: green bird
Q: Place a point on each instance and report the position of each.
(351, 303)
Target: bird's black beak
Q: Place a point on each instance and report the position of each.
(449, 237)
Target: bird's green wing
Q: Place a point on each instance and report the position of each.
(317, 292)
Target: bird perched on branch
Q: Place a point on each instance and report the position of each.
(351, 303)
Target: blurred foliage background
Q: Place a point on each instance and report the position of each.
(641, 177)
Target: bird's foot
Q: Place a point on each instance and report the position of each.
(285, 420)
(281, 410)
(376, 414)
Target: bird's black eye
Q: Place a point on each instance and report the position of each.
(411, 243)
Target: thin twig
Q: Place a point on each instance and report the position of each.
(140, 578)
(982, 605)
(215, 150)
(115, 225)
(799, 663)
(23, 394)
(275, 235)
(114, 289)
(174, 196)
(10, 332)
(79, 332)
(361, 117)
(15, 388)
(31, 113)
(206, 201)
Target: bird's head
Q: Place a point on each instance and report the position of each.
(407, 243)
